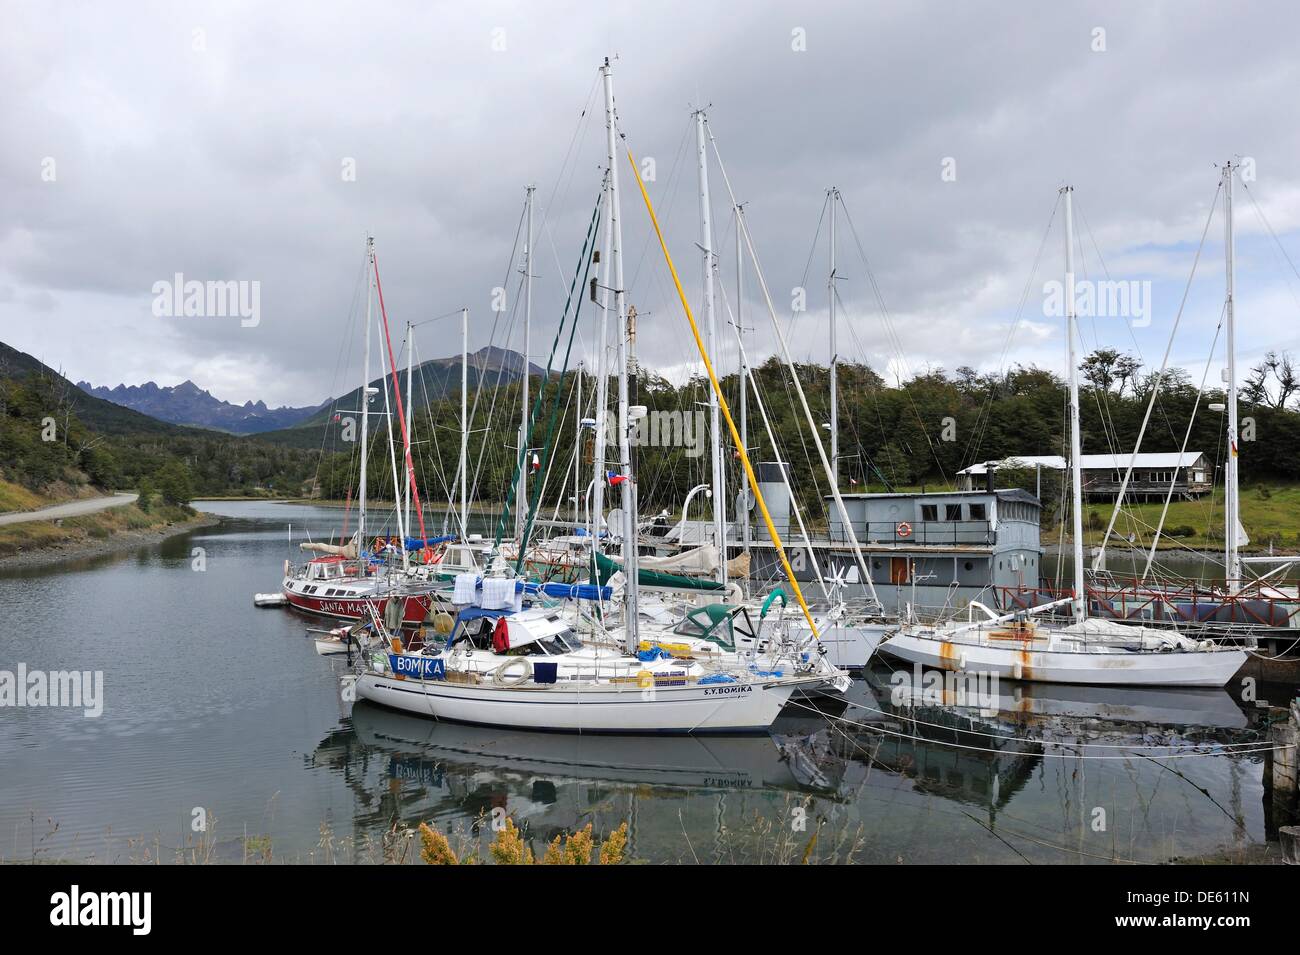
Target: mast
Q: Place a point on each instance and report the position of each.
(464, 424)
(834, 195)
(365, 395)
(410, 476)
(402, 530)
(743, 497)
(521, 496)
(577, 453)
(814, 430)
(626, 358)
(1231, 516)
(1076, 471)
(711, 325)
(602, 378)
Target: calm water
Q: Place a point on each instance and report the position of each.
(210, 702)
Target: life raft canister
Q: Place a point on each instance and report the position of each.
(904, 529)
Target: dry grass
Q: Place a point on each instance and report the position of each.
(15, 497)
(42, 535)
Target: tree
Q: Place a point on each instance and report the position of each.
(1276, 373)
(174, 484)
(1126, 371)
(1099, 367)
(146, 491)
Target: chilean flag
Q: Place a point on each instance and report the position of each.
(614, 478)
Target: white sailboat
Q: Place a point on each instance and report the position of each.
(536, 670)
(1093, 651)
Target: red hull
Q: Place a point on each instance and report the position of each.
(415, 610)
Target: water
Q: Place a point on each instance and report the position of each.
(212, 703)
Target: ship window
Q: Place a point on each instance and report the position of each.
(978, 512)
(565, 641)
(970, 565)
(929, 512)
(952, 512)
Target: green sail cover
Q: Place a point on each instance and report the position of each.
(607, 568)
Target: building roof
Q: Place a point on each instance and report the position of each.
(1105, 462)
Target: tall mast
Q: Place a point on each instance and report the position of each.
(410, 476)
(626, 358)
(602, 374)
(521, 496)
(711, 326)
(1231, 516)
(1076, 471)
(392, 455)
(577, 453)
(834, 195)
(743, 516)
(365, 395)
(464, 424)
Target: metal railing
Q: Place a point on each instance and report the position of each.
(918, 533)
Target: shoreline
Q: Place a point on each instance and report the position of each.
(96, 547)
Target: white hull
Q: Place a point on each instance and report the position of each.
(851, 647)
(614, 708)
(1101, 667)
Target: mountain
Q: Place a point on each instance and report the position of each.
(432, 380)
(104, 417)
(188, 404)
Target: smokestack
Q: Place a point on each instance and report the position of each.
(771, 482)
(990, 477)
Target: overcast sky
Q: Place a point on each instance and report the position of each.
(144, 140)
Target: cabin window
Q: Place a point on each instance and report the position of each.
(970, 565)
(978, 512)
(929, 512)
(952, 512)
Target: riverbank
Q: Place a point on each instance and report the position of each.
(36, 543)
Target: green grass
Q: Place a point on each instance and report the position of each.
(1269, 512)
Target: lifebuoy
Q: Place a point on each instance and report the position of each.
(904, 529)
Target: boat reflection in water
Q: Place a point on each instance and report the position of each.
(885, 773)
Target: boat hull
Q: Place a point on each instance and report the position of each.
(1171, 668)
(415, 607)
(851, 646)
(615, 708)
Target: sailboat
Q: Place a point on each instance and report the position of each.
(536, 668)
(345, 580)
(1240, 604)
(690, 578)
(1087, 650)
